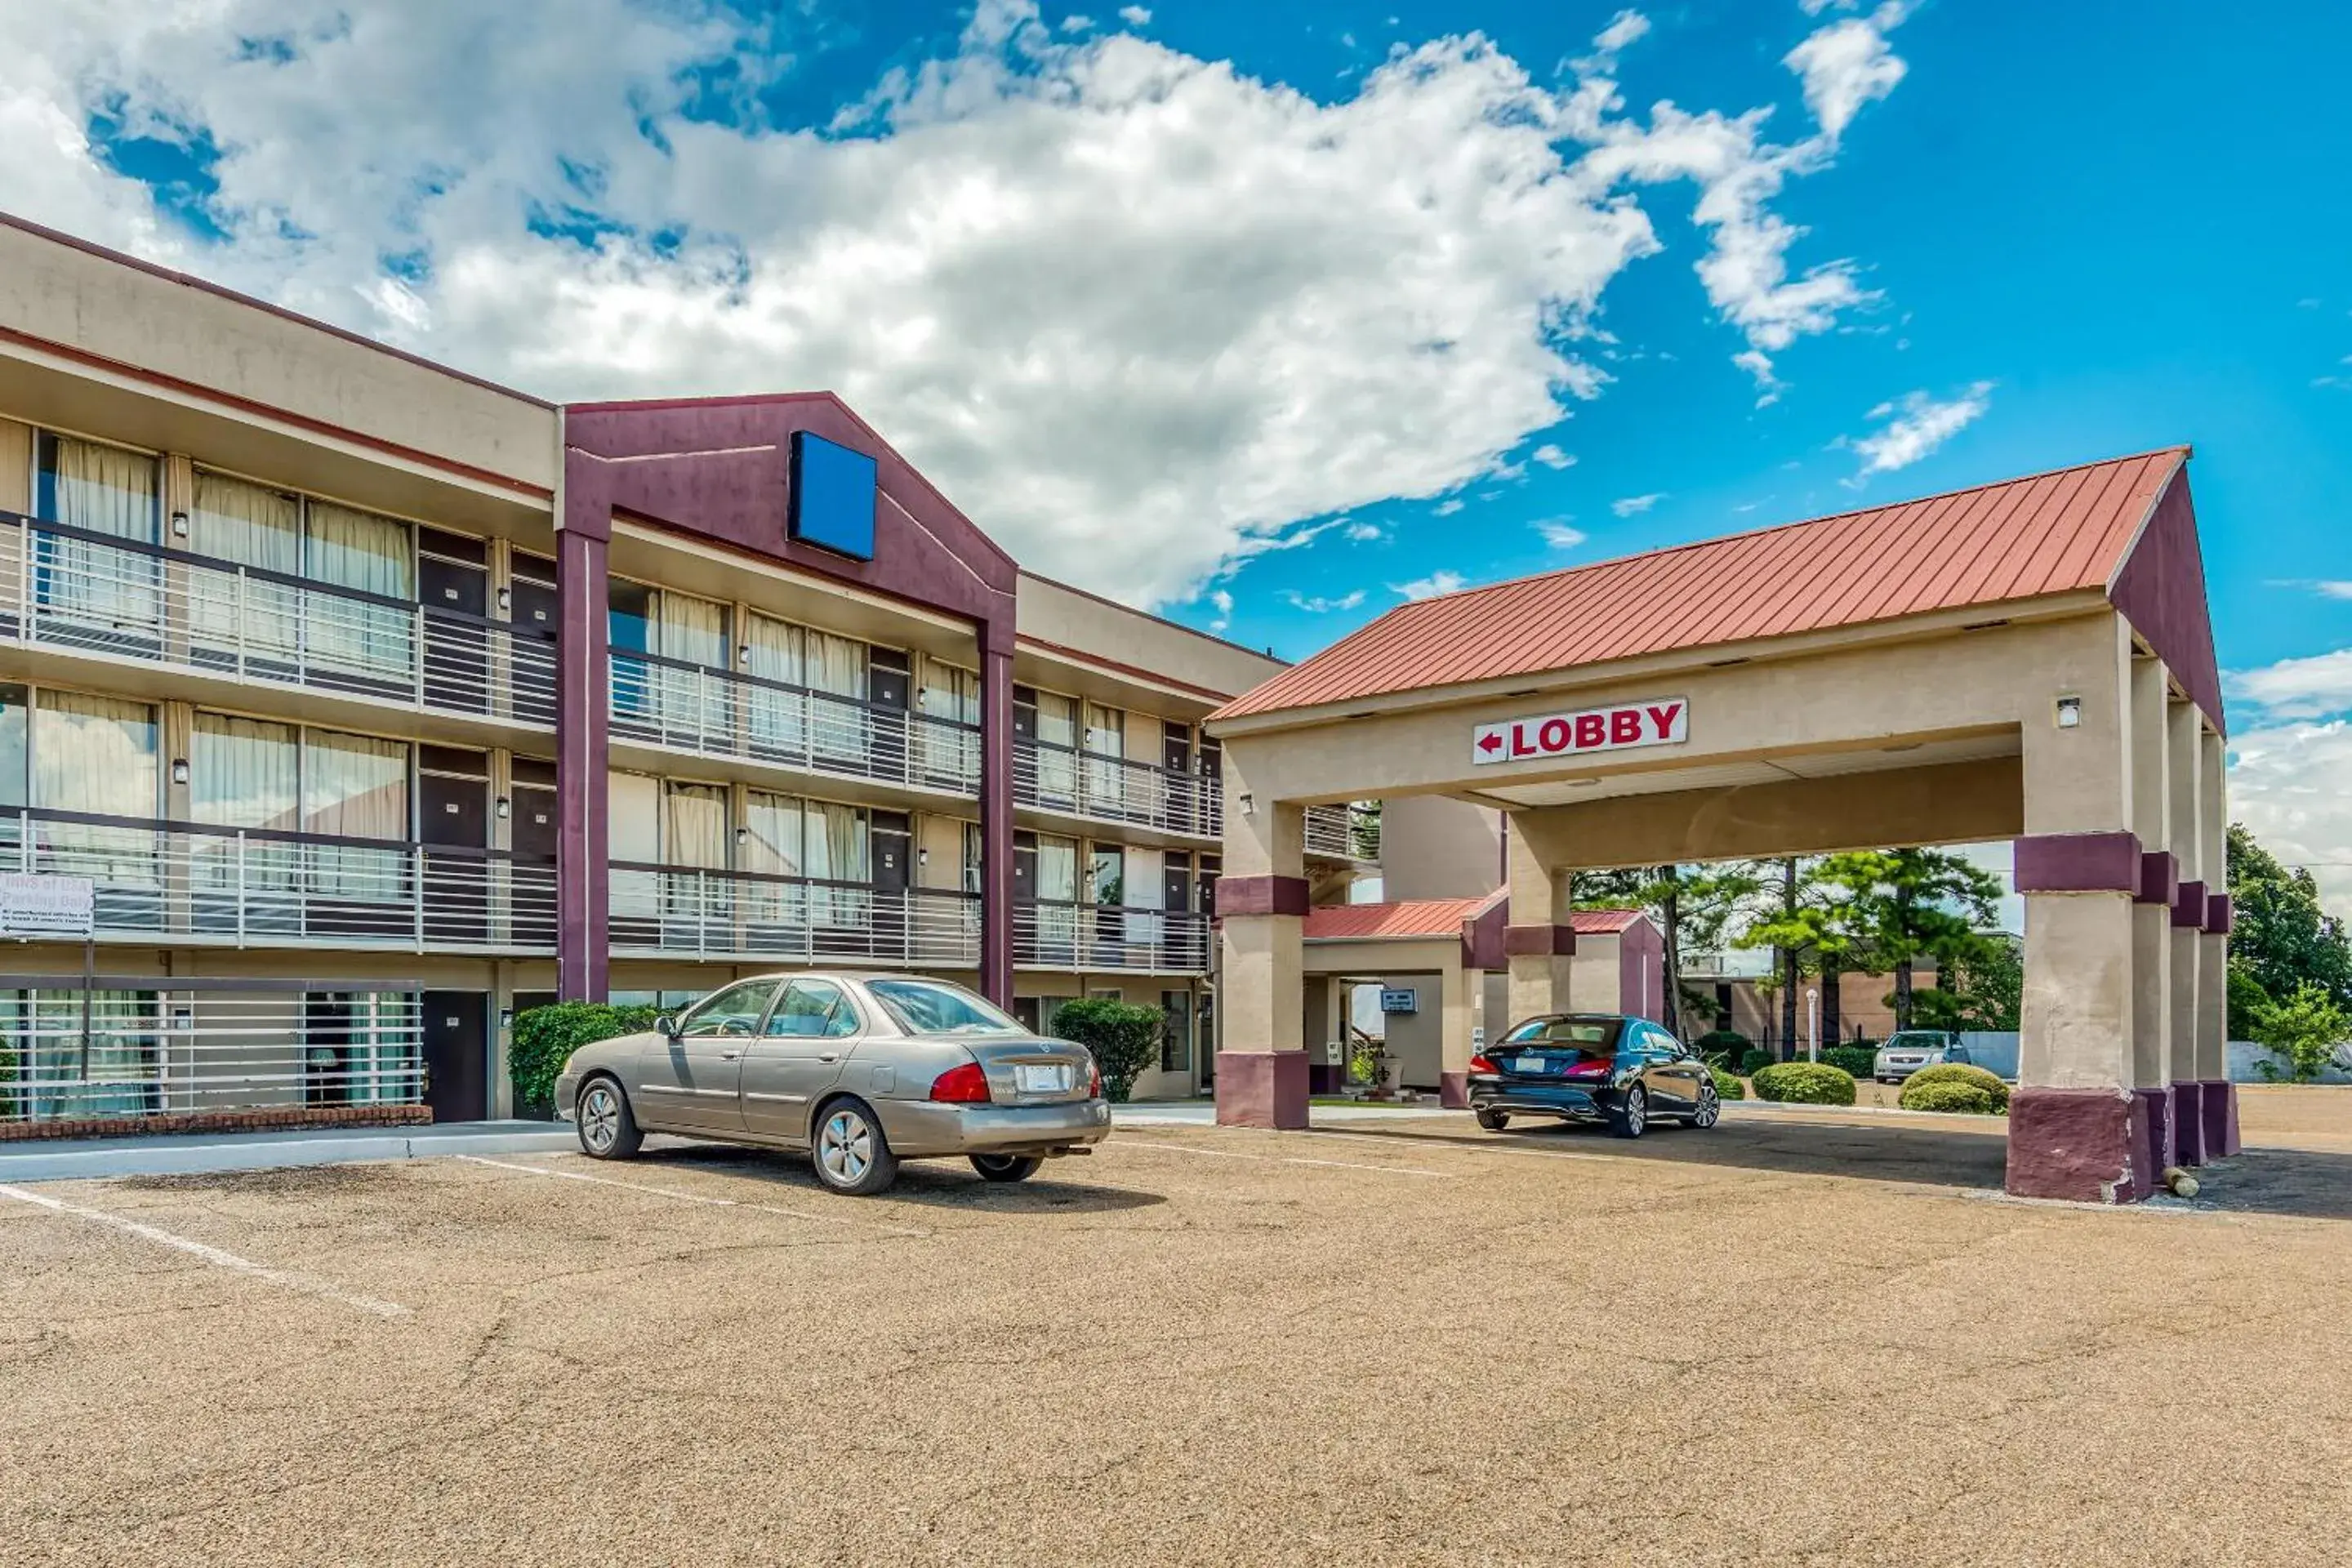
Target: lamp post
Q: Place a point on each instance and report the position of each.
(1813, 1024)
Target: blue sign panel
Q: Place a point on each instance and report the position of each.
(832, 496)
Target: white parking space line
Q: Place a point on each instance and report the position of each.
(1460, 1147)
(685, 1197)
(1288, 1160)
(283, 1277)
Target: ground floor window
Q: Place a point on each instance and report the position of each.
(1176, 1031)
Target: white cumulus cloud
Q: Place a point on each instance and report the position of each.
(1915, 424)
(1552, 457)
(1430, 586)
(1633, 506)
(2286, 785)
(1320, 605)
(1139, 314)
(1558, 533)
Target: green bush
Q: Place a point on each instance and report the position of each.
(1959, 1099)
(1727, 1087)
(1976, 1080)
(545, 1038)
(1124, 1039)
(1728, 1043)
(1858, 1060)
(1805, 1083)
(1753, 1061)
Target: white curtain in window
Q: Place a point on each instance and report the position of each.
(1057, 742)
(103, 490)
(772, 827)
(948, 751)
(779, 719)
(838, 666)
(693, 706)
(837, 850)
(356, 786)
(372, 554)
(96, 754)
(1057, 892)
(694, 833)
(252, 525)
(633, 814)
(1105, 742)
(1145, 888)
(244, 773)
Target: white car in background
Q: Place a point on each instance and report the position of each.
(1908, 1050)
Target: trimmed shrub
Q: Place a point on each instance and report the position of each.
(1728, 1043)
(1959, 1099)
(1754, 1061)
(1805, 1083)
(1124, 1039)
(1858, 1060)
(1727, 1087)
(1986, 1085)
(545, 1038)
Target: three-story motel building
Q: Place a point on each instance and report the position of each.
(378, 702)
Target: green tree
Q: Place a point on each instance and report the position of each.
(1693, 908)
(1980, 989)
(545, 1038)
(1124, 1039)
(2307, 1032)
(1910, 904)
(1813, 928)
(2281, 939)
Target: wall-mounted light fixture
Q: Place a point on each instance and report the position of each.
(179, 770)
(922, 857)
(503, 807)
(505, 600)
(2070, 712)
(742, 836)
(179, 525)
(743, 654)
(506, 1017)
(1249, 803)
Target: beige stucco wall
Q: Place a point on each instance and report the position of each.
(1436, 847)
(1053, 613)
(16, 467)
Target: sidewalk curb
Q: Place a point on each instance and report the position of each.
(270, 1155)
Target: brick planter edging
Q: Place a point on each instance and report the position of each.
(265, 1120)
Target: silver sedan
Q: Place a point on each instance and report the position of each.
(861, 1070)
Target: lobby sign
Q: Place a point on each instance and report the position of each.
(1658, 722)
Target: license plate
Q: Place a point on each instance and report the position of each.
(1052, 1079)
(1529, 1064)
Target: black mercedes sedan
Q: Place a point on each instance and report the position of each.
(1592, 1066)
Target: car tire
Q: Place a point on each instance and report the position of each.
(1710, 1107)
(849, 1153)
(1631, 1118)
(1493, 1121)
(1006, 1167)
(607, 1127)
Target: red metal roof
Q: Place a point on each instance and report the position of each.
(1405, 918)
(2020, 539)
(1604, 923)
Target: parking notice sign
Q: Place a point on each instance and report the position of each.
(1659, 721)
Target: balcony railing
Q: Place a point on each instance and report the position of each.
(1112, 789)
(1349, 832)
(1105, 937)
(719, 713)
(204, 1044)
(260, 888)
(753, 916)
(90, 593)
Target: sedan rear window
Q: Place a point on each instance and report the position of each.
(1586, 1033)
(931, 1007)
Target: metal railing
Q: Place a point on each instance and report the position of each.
(90, 593)
(1100, 938)
(259, 888)
(720, 713)
(712, 913)
(143, 1046)
(1050, 777)
(1348, 832)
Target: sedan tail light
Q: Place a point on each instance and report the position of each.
(1588, 1070)
(1483, 1063)
(964, 1084)
(1094, 1082)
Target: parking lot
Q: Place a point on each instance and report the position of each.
(1800, 1338)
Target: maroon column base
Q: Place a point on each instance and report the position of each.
(2152, 1127)
(2218, 1099)
(2188, 1123)
(2081, 1145)
(1262, 1088)
(1454, 1091)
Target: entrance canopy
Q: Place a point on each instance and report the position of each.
(2029, 659)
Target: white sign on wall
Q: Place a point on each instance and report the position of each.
(1660, 721)
(33, 904)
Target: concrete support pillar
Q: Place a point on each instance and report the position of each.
(996, 913)
(1261, 1003)
(2217, 1096)
(583, 847)
(2077, 1130)
(1540, 939)
(2151, 813)
(2184, 777)
(1458, 989)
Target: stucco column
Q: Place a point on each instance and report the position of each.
(2217, 1096)
(583, 846)
(1458, 990)
(2076, 1128)
(996, 815)
(2151, 813)
(1261, 909)
(2184, 776)
(1539, 940)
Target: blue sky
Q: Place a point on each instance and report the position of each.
(1269, 316)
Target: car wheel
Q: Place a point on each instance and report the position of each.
(1710, 1107)
(1631, 1118)
(608, 1130)
(1006, 1167)
(1493, 1121)
(849, 1153)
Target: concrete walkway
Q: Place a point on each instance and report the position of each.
(187, 1154)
